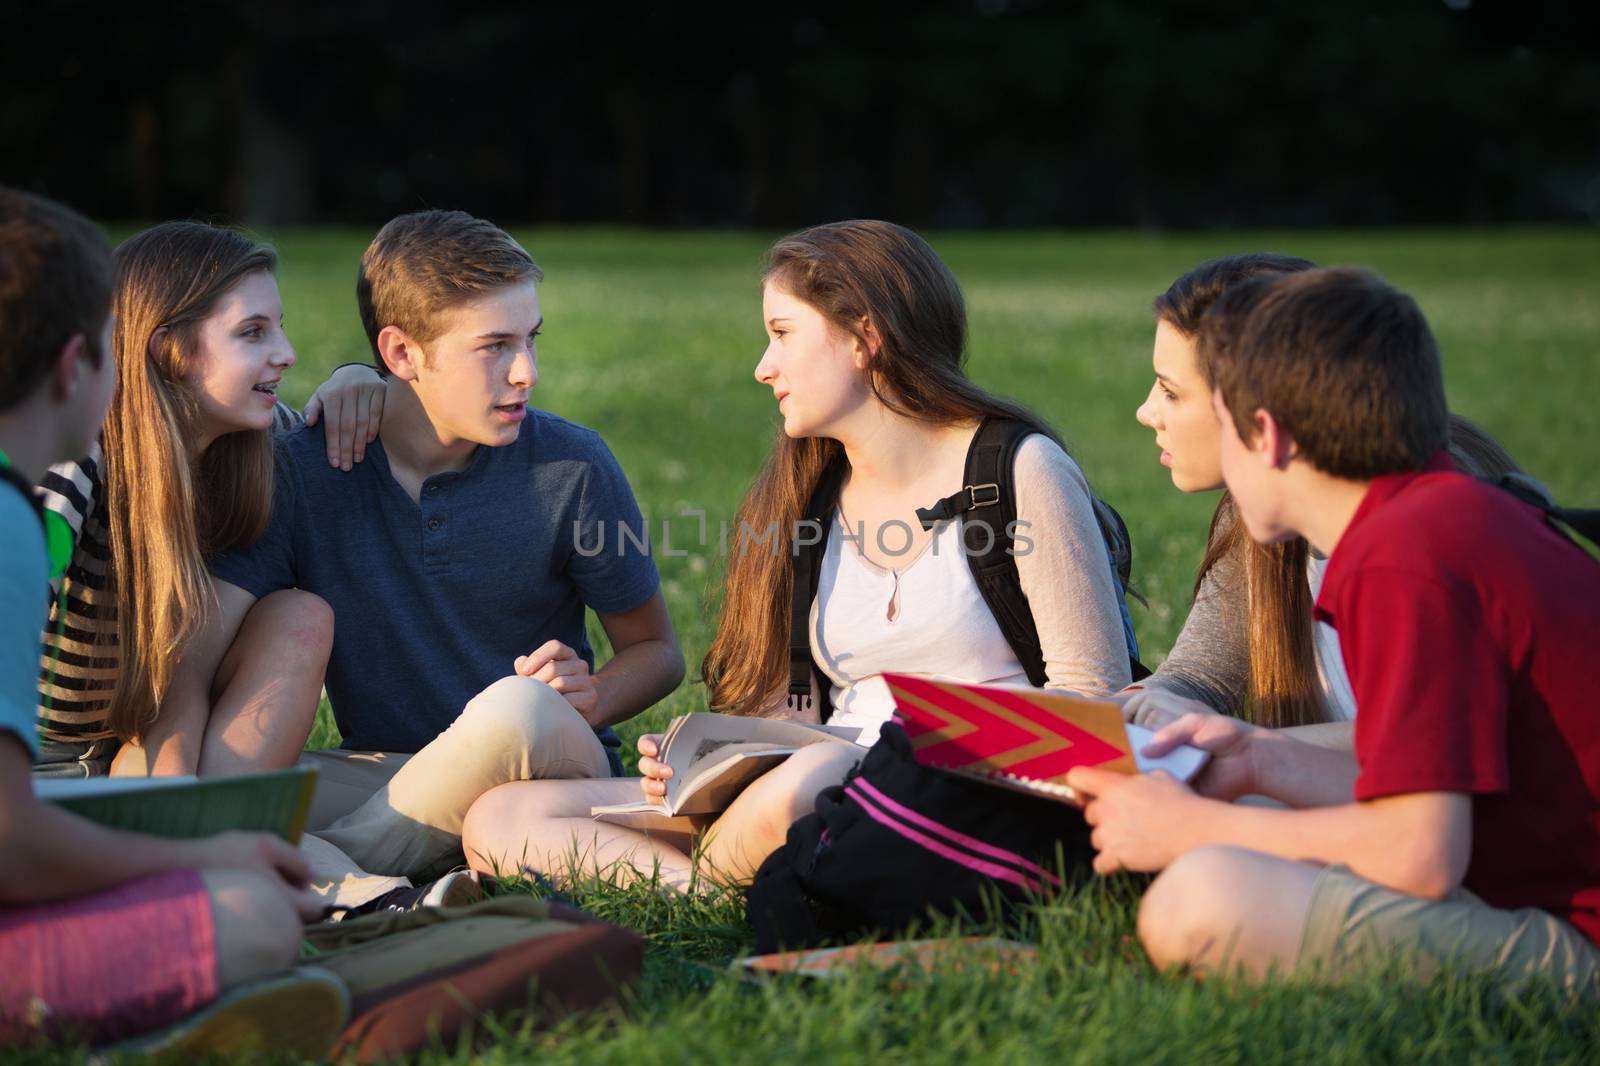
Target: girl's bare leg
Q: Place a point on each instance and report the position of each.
(264, 699)
(257, 709)
(758, 821)
(545, 826)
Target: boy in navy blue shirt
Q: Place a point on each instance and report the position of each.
(459, 560)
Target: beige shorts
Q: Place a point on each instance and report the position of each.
(1354, 924)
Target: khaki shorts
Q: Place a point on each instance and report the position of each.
(1354, 924)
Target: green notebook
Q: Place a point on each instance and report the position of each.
(272, 802)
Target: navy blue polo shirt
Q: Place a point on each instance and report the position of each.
(433, 603)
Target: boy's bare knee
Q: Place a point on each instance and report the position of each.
(1193, 906)
(1160, 922)
(257, 931)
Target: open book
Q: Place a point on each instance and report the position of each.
(273, 802)
(713, 757)
(1024, 738)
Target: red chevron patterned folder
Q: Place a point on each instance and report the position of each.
(1020, 738)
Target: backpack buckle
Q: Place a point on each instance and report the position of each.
(993, 497)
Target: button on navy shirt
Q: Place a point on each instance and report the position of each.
(433, 602)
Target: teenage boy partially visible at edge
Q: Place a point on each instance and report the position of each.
(1466, 827)
(450, 559)
(105, 934)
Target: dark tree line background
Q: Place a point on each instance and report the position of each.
(987, 113)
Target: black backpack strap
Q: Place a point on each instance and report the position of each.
(987, 504)
(987, 507)
(807, 569)
(1584, 522)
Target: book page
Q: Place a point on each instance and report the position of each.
(714, 787)
(649, 817)
(1183, 762)
(713, 758)
(705, 741)
(712, 791)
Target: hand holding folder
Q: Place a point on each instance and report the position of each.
(1024, 738)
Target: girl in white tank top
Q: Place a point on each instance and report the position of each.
(866, 335)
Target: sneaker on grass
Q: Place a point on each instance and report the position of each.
(456, 889)
(296, 1014)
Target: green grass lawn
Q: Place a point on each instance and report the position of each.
(652, 338)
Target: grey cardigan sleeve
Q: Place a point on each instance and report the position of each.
(1210, 660)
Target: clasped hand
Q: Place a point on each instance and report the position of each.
(564, 670)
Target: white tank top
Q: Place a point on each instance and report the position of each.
(925, 617)
(1336, 690)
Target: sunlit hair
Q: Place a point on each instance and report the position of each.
(167, 512)
(850, 272)
(424, 264)
(1209, 305)
(1187, 300)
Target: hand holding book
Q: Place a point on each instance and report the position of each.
(267, 856)
(705, 760)
(1140, 822)
(653, 772)
(247, 822)
(1224, 739)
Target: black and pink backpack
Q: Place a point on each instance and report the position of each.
(899, 843)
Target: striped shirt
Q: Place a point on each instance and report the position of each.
(78, 668)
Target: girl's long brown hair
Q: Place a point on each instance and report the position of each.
(850, 272)
(167, 512)
(1285, 688)
(1206, 305)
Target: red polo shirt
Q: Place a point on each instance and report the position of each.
(1469, 629)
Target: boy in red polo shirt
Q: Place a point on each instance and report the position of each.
(1466, 828)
